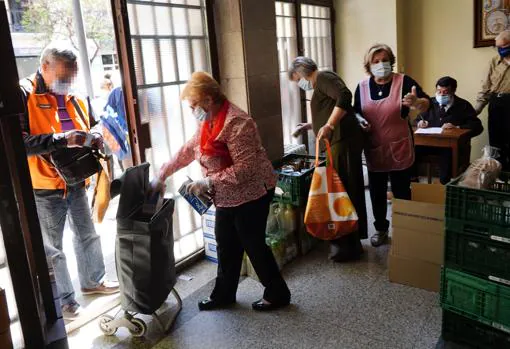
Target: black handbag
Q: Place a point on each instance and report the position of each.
(75, 165)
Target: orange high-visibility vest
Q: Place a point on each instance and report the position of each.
(43, 119)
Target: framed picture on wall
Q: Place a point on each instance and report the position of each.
(491, 18)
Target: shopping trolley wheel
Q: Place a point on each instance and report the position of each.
(105, 325)
(141, 327)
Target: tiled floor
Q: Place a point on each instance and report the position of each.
(333, 306)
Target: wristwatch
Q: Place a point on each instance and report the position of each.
(331, 127)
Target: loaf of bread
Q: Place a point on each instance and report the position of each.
(481, 174)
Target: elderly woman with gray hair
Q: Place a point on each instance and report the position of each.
(333, 118)
(383, 102)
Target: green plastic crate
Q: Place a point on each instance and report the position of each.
(481, 300)
(490, 206)
(493, 231)
(295, 187)
(459, 329)
(478, 254)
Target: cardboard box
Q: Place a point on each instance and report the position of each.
(425, 212)
(210, 246)
(418, 237)
(419, 245)
(209, 221)
(415, 273)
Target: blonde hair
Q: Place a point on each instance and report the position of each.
(200, 85)
(376, 49)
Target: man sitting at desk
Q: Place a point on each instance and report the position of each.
(447, 111)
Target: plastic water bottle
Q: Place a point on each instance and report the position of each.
(290, 219)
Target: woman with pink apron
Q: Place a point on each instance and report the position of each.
(383, 102)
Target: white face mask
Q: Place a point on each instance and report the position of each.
(200, 114)
(381, 69)
(60, 87)
(305, 84)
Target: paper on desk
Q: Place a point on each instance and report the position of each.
(429, 131)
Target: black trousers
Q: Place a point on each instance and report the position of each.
(239, 229)
(378, 184)
(445, 162)
(347, 162)
(499, 128)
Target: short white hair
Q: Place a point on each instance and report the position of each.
(504, 35)
(57, 51)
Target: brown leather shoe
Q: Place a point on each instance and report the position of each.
(107, 287)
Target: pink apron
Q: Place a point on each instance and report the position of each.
(390, 143)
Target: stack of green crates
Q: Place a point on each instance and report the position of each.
(475, 285)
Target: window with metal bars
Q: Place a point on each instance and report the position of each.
(169, 41)
(302, 29)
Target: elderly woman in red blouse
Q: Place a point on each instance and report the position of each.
(240, 179)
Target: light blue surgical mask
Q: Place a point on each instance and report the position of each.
(381, 69)
(60, 87)
(305, 84)
(442, 99)
(200, 114)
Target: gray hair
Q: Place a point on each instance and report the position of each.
(302, 65)
(63, 53)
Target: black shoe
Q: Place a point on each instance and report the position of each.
(379, 238)
(211, 304)
(349, 256)
(344, 253)
(261, 306)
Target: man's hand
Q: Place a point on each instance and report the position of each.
(301, 128)
(201, 187)
(97, 141)
(448, 126)
(423, 124)
(75, 138)
(411, 98)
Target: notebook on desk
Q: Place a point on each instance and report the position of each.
(429, 131)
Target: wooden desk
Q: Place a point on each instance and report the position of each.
(458, 140)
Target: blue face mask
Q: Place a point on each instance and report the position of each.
(305, 84)
(442, 99)
(200, 114)
(504, 51)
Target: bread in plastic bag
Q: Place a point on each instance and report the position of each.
(483, 172)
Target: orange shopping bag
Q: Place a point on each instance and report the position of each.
(329, 213)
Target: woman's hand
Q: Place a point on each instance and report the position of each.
(201, 187)
(325, 132)
(156, 186)
(411, 98)
(423, 124)
(301, 128)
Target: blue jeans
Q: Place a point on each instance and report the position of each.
(52, 209)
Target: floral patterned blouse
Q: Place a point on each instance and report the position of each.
(250, 175)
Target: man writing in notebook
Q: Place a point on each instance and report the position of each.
(447, 110)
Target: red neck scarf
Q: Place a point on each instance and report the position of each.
(208, 135)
